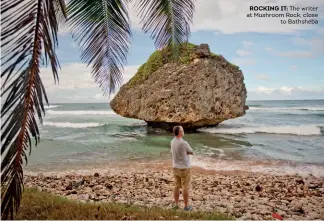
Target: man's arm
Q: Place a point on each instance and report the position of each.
(189, 149)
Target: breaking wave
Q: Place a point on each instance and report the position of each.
(51, 106)
(286, 109)
(302, 130)
(80, 112)
(72, 125)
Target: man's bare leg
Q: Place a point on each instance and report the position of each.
(176, 194)
(186, 196)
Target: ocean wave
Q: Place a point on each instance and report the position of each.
(94, 125)
(51, 106)
(142, 123)
(286, 109)
(312, 109)
(219, 150)
(80, 112)
(302, 130)
(255, 105)
(72, 125)
(268, 167)
(308, 115)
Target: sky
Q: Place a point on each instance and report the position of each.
(279, 61)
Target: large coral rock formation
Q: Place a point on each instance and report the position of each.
(201, 89)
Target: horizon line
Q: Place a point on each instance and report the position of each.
(321, 99)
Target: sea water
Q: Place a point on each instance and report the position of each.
(282, 136)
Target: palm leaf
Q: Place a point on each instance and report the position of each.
(102, 29)
(29, 27)
(167, 21)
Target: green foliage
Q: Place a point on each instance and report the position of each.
(235, 66)
(29, 40)
(41, 205)
(154, 62)
(161, 57)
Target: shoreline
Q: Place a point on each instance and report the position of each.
(213, 166)
(245, 195)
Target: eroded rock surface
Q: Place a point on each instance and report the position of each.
(202, 92)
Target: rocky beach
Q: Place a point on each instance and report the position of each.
(239, 194)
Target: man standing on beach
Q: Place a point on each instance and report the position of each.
(181, 150)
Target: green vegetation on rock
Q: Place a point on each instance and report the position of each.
(154, 62)
(161, 57)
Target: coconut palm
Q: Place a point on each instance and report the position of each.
(29, 40)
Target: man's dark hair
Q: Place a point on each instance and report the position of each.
(176, 130)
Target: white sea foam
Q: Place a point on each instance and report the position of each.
(314, 108)
(311, 129)
(221, 151)
(286, 109)
(80, 112)
(72, 125)
(51, 106)
(270, 167)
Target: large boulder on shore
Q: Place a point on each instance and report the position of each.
(199, 89)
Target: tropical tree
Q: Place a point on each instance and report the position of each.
(29, 40)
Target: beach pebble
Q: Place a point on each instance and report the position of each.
(243, 196)
(282, 213)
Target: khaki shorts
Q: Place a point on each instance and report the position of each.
(182, 178)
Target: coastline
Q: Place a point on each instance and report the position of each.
(212, 165)
(244, 195)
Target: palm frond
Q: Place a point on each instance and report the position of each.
(167, 21)
(28, 27)
(102, 29)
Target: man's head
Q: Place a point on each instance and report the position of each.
(178, 131)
